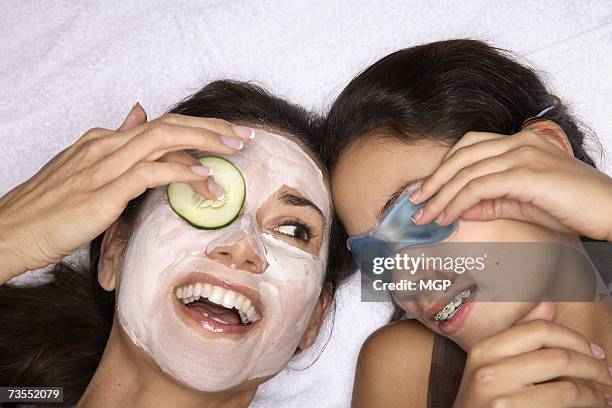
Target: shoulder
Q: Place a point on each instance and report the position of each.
(393, 366)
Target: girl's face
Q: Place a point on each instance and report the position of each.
(258, 279)
(370, 173)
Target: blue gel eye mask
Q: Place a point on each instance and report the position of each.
(396, 231)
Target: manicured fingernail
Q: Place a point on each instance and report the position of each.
(597, 351)
(215, 189)
(415, 195)
(244, 131)
(440, 218)
(417, 215)
(202, 170)
(610, 370)
(232, 142)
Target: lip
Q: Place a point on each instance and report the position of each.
(436, 306)
(195, 319)
(456, 322)
(453, 325)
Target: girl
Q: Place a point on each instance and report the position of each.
(450, 115)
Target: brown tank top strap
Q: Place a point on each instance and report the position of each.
(447, 363)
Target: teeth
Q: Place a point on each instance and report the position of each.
(206, 289)
(216, 296)
(228, 299)
(221, 296)
(197, 290)
(451, 307)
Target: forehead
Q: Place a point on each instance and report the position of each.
(271, 161)
(367, 174)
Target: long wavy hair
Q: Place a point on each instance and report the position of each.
(54, 334)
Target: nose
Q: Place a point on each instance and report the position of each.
(238, 255)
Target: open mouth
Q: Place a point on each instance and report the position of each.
(448, 311)
(218, 306)
(451, 313)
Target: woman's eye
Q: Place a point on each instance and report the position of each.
(299, 232)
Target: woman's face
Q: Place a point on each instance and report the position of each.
(367, 176)
(260, 277)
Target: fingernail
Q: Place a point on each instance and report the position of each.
(215, 189)
(417, 215)
(244, 131)
(232, 142)
(440, 218)
(597, 351)
(415, 195)
(202, 170)
(610, 370)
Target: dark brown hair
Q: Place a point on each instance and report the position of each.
(440, 91)
(54, 334)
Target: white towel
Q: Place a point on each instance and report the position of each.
(68, 66)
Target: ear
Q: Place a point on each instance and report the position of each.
(551, 132)
(111, 255)
(316, 319)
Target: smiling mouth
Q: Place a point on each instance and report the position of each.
(219, 306)
(448, 311)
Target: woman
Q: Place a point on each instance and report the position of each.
(451, 115)
(169, 315)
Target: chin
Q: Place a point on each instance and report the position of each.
(488, 319)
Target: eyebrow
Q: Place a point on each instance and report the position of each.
(396, 194)
(298, 201)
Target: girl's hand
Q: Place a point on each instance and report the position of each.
(530, 176)
(83, 190)
(535, 364)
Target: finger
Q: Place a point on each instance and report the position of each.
(547, 364)
(479, 147)
(458, 158)
(213, 125)
(143, 176)
(158, 140)
(545, 310)
(513, 184)
(530, 336)
(557, 394)
(502, 208)
(200, 187)
(135, 117)
(220, 126)
(471, 138)
(235, 136)
(441, 201)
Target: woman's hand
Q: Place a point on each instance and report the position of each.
(534, 364)
(83, 190)
(530, 176)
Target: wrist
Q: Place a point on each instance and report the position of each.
(11, 264)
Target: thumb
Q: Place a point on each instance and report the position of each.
(545, 310)
(135, 117)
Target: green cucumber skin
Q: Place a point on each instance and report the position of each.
(209, 228)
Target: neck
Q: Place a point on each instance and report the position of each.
(126, 376)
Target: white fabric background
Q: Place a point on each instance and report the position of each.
(67, 66)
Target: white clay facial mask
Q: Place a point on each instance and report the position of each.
(256, 302)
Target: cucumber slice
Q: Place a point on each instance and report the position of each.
(208, 214)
